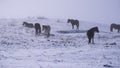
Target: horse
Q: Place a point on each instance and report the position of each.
(73, 22)
(29, 25)
(115, 26)
(90, 34)
(46, 29)
(37, 29)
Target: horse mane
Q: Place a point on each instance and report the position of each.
(24, 23)
(94, 28)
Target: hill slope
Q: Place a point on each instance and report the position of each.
(66, 48)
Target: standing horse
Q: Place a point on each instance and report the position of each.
(37, 29)
(29, 25)
(73, 22)
(46, 29)
(115, 26)
(90, 34)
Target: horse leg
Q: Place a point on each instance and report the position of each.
(92, 40)
(36, 30)
(118, 30)
(39, 31)
(72, 26)
(111, 29)
(89, 40)
(77, 26)
(48, 34)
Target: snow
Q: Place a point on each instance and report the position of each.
(20, 48)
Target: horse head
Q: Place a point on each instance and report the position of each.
(43, 27)
(24, 23)
(96, 29)
(68, 20)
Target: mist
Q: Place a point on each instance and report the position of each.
(99, 11)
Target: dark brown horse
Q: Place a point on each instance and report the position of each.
(73, 22)
(115, 26)
(90, 34)
(37, 29)
(29, 25)
(46, 29)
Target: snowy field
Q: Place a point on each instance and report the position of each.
(65, 48)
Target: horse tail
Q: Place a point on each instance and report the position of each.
(23, 23)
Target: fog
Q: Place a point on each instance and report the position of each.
(101, 11)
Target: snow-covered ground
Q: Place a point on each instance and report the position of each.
(65, 48)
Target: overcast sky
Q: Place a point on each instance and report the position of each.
(102, 11)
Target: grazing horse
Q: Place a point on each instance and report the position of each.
(29, 25)
(37, 29)
(90, 34)
(73, 22)
(46, 29)
(115, 26)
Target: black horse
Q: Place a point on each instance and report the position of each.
(115, 26)
(29, 25)
(46, 29)
(90, 34)
(37, 29)
(74, 22)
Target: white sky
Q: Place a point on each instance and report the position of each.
(102, 11)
